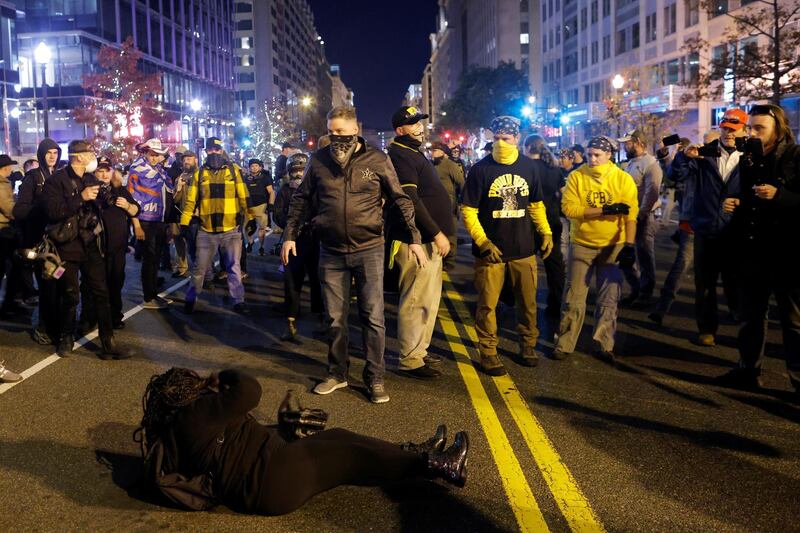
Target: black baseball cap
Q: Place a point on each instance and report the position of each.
(406, 116)
(214, 143)
(5, 161)
(255, 161)
(104, 162)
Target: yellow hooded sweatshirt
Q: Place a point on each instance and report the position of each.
(595, 187)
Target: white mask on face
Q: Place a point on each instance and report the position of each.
(91, 166)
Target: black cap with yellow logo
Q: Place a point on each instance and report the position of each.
(407, 115)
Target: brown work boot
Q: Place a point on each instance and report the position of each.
(528, 356)
(492, 366)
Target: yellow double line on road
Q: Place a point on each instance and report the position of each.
(571, 501)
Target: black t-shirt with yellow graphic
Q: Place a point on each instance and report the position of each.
(502, 194)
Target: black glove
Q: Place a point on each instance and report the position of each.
(251, 228)
(296, 421)
(186, 233)
(627, 256)
(616, 209)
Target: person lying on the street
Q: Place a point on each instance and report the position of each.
(205, 422)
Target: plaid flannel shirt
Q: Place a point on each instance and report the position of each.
(222, 199)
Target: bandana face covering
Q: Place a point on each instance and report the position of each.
(295, 180)
(342, 148)
(504, 153)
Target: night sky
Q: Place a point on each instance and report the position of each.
(382, 47)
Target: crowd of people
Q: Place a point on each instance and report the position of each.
(357, 221)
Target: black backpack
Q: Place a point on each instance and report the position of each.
(193, 494)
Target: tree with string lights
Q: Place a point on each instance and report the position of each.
(272, 128)
(124, 102)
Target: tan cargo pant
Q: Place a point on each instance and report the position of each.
(420, 294)
(582, 262)
(489, 279)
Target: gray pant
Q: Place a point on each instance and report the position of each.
(642, 277)
(682, 263)
(420, 293)
(336, 274)
(581, 263)
(230, 248)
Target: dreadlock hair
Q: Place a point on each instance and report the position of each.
(164, 396)
(537, 145)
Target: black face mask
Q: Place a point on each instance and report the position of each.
(342, 148)
(215, 161)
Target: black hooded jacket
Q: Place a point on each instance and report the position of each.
(29, 211)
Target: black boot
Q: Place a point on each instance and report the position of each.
(451, 464)
(65, 346)
(111, 350)
(433, 444)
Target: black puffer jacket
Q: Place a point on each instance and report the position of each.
(29, 211)
(62, 199)
(349, 214)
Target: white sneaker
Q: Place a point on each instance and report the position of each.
(165, 301)
(7, 376)
(329, 385)
(154, 304)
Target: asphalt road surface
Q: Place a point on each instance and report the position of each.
(649, 444)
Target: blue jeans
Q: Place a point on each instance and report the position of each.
(681, 265)
(336, 272)
(230, 248)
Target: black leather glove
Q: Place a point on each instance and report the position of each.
(616, 209)
(627, 256)
(251, 228)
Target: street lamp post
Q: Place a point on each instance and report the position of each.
(196, 106)
(618, 82)
(42, 55)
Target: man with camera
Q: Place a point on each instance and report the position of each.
(117, 208)
(646, 172)
(766, 212)
(712, 172)
(70, 197)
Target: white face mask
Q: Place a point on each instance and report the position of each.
(91, 166)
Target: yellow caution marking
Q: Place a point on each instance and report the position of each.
(568, 496)
(520, 496)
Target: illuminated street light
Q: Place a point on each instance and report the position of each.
(306, 101)
(618, 82)
(196, 105)
(527, 111)
(42, 54)
(14, 112)
(531, 99)
(246, 122)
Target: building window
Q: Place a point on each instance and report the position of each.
(524, 38)
(606, 46)
(570, 28)
(551, 38)
(247, 77)
(584, 19)
(584, 57)
(717, 8)
(621, 44)
(594, 11)
(246, 24)
(691, 10)
(595, 52)
(523, 6)
(693, 67)
(544, 43)
(247, 43)
(673, 72)
(606, 8)
(544, 74)
(524, 49)
(549, 8)
(650, 28)
(544, 12)
(558, 35)
(243, 7)
(558, 6)
(635, 36)
(669, 19)
(247, 61)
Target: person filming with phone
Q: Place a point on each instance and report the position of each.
(765, 221)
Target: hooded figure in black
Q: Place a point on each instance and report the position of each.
(30, 214)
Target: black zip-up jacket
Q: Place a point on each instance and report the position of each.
(29, 211)
(768, 231)
(347, 202)
(432, 206)
(62, 199)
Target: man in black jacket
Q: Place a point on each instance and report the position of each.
(420, 288)
(69, 199)
(30, 214)
(344, 186)
(765, 221)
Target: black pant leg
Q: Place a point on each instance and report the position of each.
(154, 240)
(115, 279)
(753, 331)
(788, 299)
(68, 296)
(93, 273)
(707, 265)
(293, 275)
(298, 471)
(555, 270)
(48, 304)
(311, 260)
(88, 316)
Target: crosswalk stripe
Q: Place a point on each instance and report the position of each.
(568, 496)
(520, 496)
